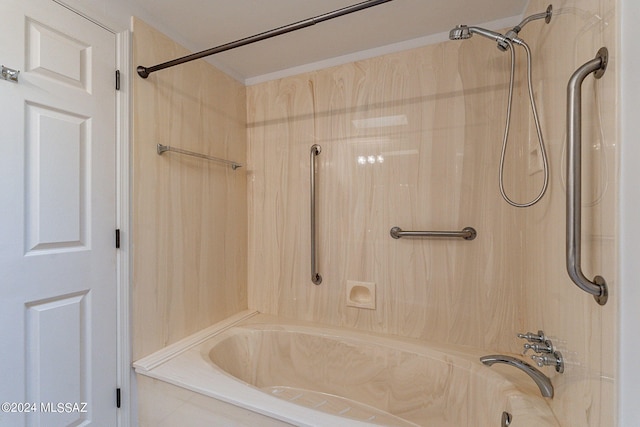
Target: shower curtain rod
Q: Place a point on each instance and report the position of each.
(145, 71)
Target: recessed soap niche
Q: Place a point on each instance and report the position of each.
(361, 294)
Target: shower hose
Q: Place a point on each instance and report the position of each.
(543, 153)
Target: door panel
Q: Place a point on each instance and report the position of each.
(57, 217)
(57, 55)
(57, 364)
(57, 145)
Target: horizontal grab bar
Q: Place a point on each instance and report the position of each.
(467, 233)
(163, 148)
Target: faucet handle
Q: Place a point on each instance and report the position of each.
(531, 337)
(554, 360)
(543, 347)
(540, 360)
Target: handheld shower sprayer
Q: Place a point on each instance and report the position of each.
(462, 32)
(505, 42)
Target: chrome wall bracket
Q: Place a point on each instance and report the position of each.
(10, 74)
(603, 56)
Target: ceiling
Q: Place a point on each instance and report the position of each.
(390, 26)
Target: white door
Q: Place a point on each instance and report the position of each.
(57, 218)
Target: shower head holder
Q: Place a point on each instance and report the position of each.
(463, 32)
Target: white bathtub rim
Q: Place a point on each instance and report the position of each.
(167, 353)
(467, 355)
(267, 322)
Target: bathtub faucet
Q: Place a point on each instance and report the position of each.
(542, 381)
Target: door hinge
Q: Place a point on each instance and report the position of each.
(118, 238)
(117, 79)
(118, 398)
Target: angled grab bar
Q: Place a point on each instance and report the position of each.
(316, 278)
(467, 233)
(597, 287)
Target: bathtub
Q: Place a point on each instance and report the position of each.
(307, 375)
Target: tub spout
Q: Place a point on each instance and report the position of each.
(542, 381)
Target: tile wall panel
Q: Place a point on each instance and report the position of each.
(436, 170)
(583, 330)
(189, 215)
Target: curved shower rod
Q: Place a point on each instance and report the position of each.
(145, 71)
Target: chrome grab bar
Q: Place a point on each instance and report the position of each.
(597, 288)
(467, 233)
(164, 148)
(316, 278)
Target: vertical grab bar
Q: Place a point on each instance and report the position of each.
(316, 278)
(597, 288)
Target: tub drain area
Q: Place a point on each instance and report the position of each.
(336, 405)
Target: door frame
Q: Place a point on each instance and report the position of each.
(125, 376)
(123, 216)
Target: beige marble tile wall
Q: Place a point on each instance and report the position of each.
(585, 332)
(189, 215)
(410, 140)
(413, 139)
